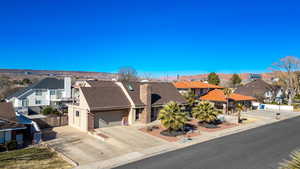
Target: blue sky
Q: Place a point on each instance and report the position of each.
(156, 36)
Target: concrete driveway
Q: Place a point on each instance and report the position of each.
(83, 148)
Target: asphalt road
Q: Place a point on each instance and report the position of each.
(259, 148)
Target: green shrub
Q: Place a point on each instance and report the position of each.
(49, 110)
(11, 145)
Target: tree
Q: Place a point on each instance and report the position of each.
(285, 69)
(227, 93)
(127, 74)
(26, 81)
(213, 78)
(191, 99)
(294, 163)
(239, 107)
(235, 80)
(172, 117)
(205, 112)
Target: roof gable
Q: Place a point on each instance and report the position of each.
(161, 93)
(255, 88)
(104, 98)
(7, 111)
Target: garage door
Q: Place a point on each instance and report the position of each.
(109, 118)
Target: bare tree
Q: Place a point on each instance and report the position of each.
(147, 76)
(127, 74)
(286, 69)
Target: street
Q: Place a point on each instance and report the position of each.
(260, 148)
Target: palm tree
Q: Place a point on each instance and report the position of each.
(294, 163)
(239, 107)
(191, 99)
(227, 93)
(172, 117)
(205, 112)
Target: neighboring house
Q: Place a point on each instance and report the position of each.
(218, 97)
(49, 91)
(261, 90)
(197, 87)
(108, 103)
(10, 128)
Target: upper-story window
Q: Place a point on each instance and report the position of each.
(52, 92)
(38, 102)
(38, 92)
(24, 102)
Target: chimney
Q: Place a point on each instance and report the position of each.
(145, 96)
(67, 87)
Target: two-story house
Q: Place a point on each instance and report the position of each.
(48, 91)
(108, 103)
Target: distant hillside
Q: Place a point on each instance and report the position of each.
(78, 74)
(225, 77)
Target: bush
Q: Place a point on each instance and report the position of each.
(11, 145)
(49, 110)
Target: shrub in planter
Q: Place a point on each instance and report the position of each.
(206, 113)
(172, 117)
(11, 145)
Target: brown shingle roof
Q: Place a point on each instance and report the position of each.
(105, 98)
(256, 88)
(100, 83)
(162, 93)
(8, 118)
(7, 111)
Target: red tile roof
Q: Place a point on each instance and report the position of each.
(218, 95)
(195, 85)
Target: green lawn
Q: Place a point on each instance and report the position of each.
(32, 158)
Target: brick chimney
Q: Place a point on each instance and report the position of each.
(145, 96)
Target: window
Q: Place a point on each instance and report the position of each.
(77, 113)
(38, 92)
(38, 102)
(52, 92)
(24, 103)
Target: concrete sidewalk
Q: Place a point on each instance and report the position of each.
(205, 136)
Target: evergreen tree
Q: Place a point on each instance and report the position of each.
(213, 78)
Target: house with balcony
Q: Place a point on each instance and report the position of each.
(109, 103)
(47, 92)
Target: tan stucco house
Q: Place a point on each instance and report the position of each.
(108, 103)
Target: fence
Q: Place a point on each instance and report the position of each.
(52, 121)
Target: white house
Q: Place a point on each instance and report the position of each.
(49, 91)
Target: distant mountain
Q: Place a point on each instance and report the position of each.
(78, 74)
(225, 77)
